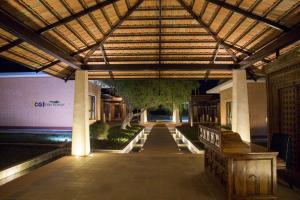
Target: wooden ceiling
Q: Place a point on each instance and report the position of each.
(139, 39)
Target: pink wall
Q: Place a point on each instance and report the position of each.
(19, 98)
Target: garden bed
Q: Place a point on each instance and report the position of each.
(191, 133)
(12, 154)
(117, 138)
(45, 138)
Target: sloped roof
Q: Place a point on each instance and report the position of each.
(59, 36)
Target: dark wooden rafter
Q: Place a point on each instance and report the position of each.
(47, 66)
(165, 58)
(157, 18)
(60, 22)
(117, 10)
(140, 48)
(68, 77)
(128, 4)
(216, 38)
(283, 41)
(106, 62)
(249, 14)
(162, 67)
(155, 8)
(216, 54)
(134, 54)
(20, 30)
(106, 17)
(152, 26)
(98, 44)
(163, 41)
(149, 34)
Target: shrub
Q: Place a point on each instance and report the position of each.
(99, 130)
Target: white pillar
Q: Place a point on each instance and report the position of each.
(191, 120)
(80, 132)
(98, 104)
(175, 118)
(144, 118)
(240, 106)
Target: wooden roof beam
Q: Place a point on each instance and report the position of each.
(283, 41)
(199, 20)
(20, 30)
(249, 14)
(60, 22)
(98, 44)
(162, 67)
(106, 62)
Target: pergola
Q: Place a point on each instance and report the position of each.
(121, 39)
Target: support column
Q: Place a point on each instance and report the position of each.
(240, 105)
(176, 118)
(191, 115)
(80, 131)
(144, 118)
(98, 104)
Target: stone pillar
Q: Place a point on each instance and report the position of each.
(240, 105)
(191, 119)
(176, 118)
(80, 131)
(143, 117)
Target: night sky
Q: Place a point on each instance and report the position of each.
(9, 66)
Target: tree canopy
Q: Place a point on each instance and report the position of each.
(151, 93)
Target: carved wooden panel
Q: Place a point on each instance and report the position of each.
(284, 107)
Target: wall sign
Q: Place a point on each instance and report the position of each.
(41, 104)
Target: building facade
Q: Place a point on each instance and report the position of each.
(33, 101)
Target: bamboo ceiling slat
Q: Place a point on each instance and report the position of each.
(21, 14)
(62, 41)
(20, 59)
(264, 39)
(292, 16)
(7, 35)
(137, 39)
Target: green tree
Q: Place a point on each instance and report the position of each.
(149, 93)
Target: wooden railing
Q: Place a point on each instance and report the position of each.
(210, 135)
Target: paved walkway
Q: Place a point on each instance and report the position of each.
(141, 176)
(160, 141)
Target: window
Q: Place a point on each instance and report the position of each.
(228, 114)
(92, 107)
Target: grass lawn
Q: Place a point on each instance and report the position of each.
(117, 138)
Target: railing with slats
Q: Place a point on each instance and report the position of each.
(210, 135)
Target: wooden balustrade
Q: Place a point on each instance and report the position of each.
(245, 173)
